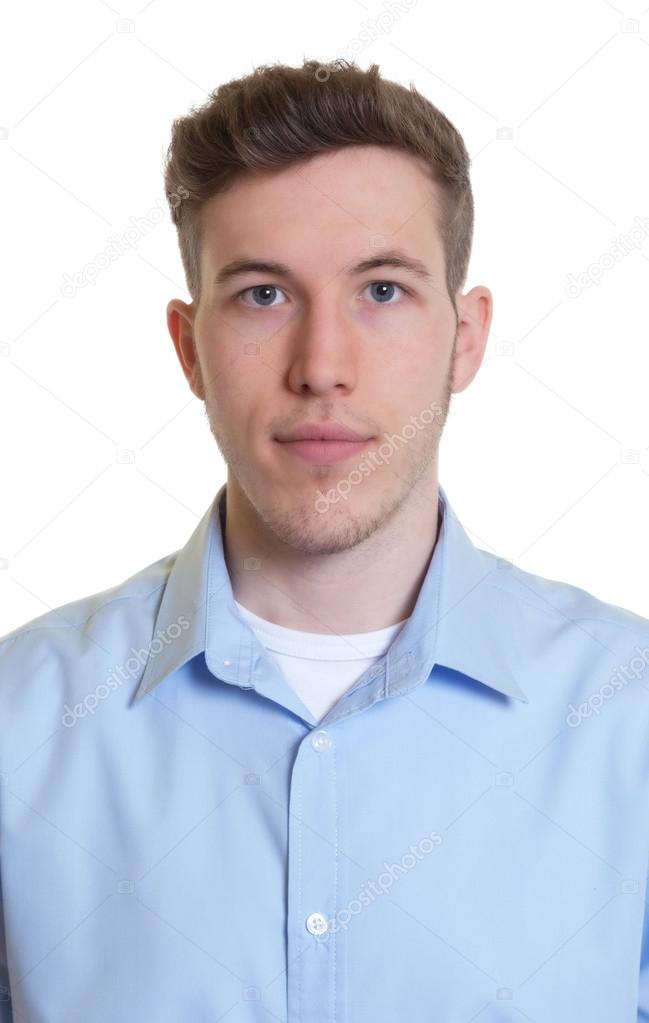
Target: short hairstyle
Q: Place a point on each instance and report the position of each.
(278, 115)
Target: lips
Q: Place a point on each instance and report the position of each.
(325, 431)
(324, 452)
(323, 443)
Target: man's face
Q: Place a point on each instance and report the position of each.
(371, 350)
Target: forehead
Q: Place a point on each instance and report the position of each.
(334, 205)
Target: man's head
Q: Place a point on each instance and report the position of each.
(324, 178)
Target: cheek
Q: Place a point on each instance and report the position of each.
(411, 368)
(413, 332)
(413, 377)
(239, 393)
(228, 370)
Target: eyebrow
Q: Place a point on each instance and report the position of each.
(390, 257)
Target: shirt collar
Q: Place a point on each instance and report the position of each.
(461, 619)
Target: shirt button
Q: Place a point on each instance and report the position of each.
(320, 741)
(316, 923)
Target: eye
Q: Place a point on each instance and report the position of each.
(383, 298)
(265, 292)
(262, 292)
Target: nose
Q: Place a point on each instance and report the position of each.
(323, 351)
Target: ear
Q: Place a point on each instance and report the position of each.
(474, 310)
(180, 322)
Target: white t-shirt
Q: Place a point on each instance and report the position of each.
(320, 667)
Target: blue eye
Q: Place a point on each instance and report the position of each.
(264, 292)
(261, 288)
(385, 284)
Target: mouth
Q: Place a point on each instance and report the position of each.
(323, 452)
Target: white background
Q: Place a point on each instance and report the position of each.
(545, 457)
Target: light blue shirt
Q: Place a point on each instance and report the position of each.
(463, 837)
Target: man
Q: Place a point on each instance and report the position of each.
(330, 761)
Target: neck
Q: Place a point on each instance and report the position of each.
(360, 589)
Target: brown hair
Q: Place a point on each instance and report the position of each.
(278, 115)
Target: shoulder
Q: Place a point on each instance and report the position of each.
(88, 631)
(552, 604)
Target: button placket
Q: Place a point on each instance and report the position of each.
(314, 960)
